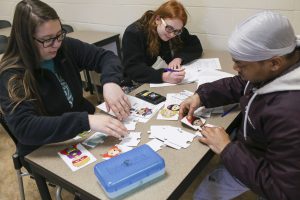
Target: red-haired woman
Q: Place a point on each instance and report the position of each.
(159, 33)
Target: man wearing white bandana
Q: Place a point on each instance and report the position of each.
(265, 157)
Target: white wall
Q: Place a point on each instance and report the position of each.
(211, 20)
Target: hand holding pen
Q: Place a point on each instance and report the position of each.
(173, 76)
(175, 64)
(172, 70)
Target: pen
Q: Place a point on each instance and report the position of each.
(229, 110)
(169, 70)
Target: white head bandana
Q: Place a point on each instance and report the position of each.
(261, 37)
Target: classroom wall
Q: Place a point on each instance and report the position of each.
(211, 20)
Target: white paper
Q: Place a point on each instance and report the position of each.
(207, 76)
(172, 136)
(155, 144)
(130, 142)
(170, 144)
(194, 71)
(130, 125)
(124, 148)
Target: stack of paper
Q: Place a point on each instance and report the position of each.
(172, 136)
(207, 76)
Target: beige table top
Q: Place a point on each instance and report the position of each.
(179, 163)
(5, 31)
(91, 37)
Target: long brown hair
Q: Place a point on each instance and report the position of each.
(171, 9)
(22, 52)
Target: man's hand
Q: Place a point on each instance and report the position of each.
(215, 137)
(188, 106)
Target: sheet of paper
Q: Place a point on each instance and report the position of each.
(130, 142)
(155, 85)
(207, 76)
(130, 125)
(155, 144)
(181, 138)
(204, 63)
(160, 132)
(170, 144)
(172, 136)
(194, 69)
(76, 156)
(124, 148)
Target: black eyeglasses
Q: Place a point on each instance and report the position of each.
(50, 42)
(171, 29)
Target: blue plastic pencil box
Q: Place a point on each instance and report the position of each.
(126, 172)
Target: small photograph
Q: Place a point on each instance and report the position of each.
(171, 107)
(143, 111)
(169, 112)
(195, 122)
(174, 107)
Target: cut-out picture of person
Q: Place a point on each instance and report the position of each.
(174, 107)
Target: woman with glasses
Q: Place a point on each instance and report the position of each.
(41, 91)
(159, 33)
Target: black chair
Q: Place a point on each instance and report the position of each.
(4, 24)
(18, 164)
(67, 28)
(16, 160)
(3, 43)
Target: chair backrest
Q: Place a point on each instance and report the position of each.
(4, 125)
(4, 24)
(67, 28)
(3, 43)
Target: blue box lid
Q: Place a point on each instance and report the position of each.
(128, 168)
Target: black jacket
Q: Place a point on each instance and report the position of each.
(62, 121)
(138, 63)
(268, 161)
